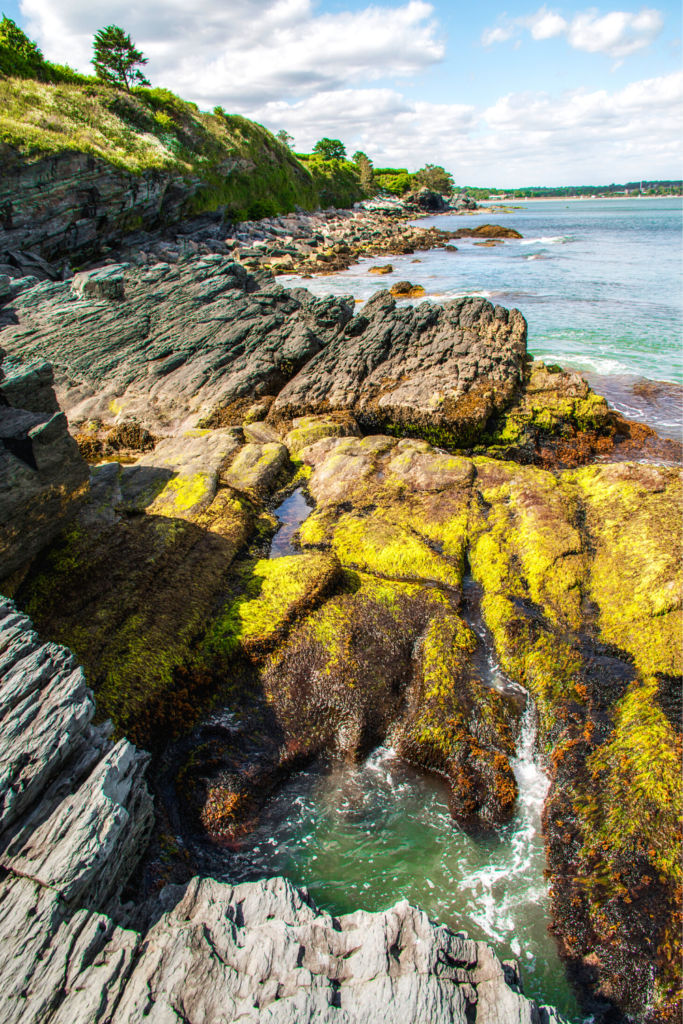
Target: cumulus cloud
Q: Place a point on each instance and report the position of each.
(247, 52)
(523, 138)
(617, 34)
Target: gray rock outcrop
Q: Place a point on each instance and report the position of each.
(76, 821)
(43, 477)
(178, 346)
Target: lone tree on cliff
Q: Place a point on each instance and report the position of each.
(364, 165)
(330, 149)
(116, 58)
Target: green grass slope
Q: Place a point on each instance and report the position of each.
(49, 109)
(239, 164)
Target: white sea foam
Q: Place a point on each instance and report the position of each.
(554, 240)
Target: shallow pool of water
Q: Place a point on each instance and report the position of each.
(366, 836)
(290, 514)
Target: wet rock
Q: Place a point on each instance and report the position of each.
(440, 368)
(308, 429)
(487, 231)
(406, 290)
(137, 544)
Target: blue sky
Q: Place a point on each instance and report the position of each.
(503, 95)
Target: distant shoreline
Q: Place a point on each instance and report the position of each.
(569, 199)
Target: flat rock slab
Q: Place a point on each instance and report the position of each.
(180, 477)
(173, 343)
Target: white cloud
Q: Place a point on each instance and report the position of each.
(286, 66)
(251, 50)
(617, 34)
(545, 24)
(499, 34)
(521, 139)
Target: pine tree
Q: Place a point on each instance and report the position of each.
(116, 58)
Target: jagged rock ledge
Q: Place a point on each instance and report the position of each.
(74, 818)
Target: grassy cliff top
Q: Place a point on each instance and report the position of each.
(240, 164)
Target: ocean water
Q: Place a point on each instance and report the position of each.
(599, 282)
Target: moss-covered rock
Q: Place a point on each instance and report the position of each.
(257, 467)
(306, 430)
(556, 417)
(460, 727)
(275, 592)
(632, 515)
(132, 597)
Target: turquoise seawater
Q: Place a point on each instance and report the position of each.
(599, 283)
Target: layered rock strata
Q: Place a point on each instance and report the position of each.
(43, 477)
(197, 343)
(76, 814)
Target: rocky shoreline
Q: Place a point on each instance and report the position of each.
(431, 445)
(76, 816)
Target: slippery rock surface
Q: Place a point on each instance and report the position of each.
(43, 478)
(181, 345)
(209, 952)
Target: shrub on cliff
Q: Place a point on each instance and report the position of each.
(395, 180)
(20, 57)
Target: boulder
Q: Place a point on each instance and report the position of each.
(43, 477)
(444, 369)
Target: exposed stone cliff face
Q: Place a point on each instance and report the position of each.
(74, 203)
(75, 817)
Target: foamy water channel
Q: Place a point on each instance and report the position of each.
(366, 836)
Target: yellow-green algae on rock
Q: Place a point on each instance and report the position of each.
(460, 727)
(275, 592)
(580, 573)
(636, 579)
